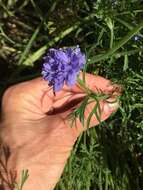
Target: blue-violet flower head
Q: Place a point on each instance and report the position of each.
(61, 66)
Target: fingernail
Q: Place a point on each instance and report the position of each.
(110, 107)
(113, 106)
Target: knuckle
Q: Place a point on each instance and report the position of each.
(8, 93)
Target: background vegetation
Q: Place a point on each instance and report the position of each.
(110, 156)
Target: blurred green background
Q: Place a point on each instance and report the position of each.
(110, 32)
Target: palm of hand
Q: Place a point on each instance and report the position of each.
(40, 142)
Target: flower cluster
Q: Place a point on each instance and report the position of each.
(61, 66)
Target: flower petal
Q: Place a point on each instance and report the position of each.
(61, 56)
(71, 78)
(58, 85)
(62, 65)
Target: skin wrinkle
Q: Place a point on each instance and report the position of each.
(42, 103)
(50, 141)
(29, 130)
(68, 96)
(49, 158)
(56, 102)
(36, 141)
(29, 101)
(59, 94)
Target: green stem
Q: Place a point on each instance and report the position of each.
(130, 52)
(83, 85)
(128, 25)
(106, 181)
(99, 95)
(35, 56)
(112, 39)
(129, 12)
(5, 36)
(9, 13)
(117, 45)
(29, 45)
(25, 53)
(100, 181)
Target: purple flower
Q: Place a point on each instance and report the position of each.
(61, 66)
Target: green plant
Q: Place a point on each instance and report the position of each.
(24, 177)
(111, 33)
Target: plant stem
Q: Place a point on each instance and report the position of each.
(117, 45)
(35, 56)
(111, 38)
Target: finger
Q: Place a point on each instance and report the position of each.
(95, 83)
(40, 88)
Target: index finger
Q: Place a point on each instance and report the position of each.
(95, 83)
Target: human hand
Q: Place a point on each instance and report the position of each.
(36, 128)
